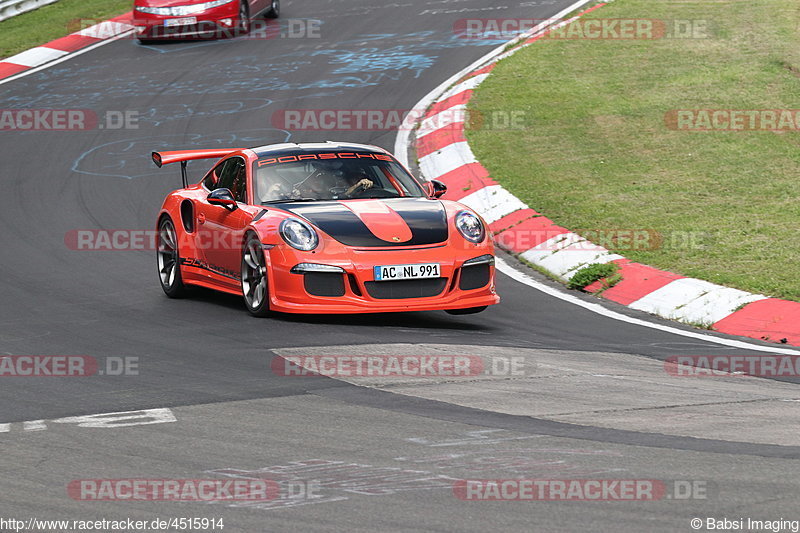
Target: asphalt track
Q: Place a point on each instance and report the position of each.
(209, 362)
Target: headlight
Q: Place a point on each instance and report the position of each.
(180, 11)
(299, 234)
(151, 10)
(470, 226)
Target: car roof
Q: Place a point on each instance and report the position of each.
(294, 148)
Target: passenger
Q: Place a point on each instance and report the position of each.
(277, 191)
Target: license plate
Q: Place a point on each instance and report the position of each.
(396, 272)
(183, 21)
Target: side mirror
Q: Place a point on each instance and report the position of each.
(437, 188)
(223, 197)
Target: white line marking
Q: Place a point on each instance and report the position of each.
(103, 420)
(521, 277)
(121, 419)
(34, 425)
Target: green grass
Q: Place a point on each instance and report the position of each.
(591, 273)
(53, 21)
(596, 152)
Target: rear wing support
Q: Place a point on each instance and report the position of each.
(184, 176)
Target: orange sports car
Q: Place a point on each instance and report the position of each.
(322, 228)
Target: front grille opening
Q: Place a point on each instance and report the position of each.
(354, 285)
(474, 277)
(455, 279)
(328, 284)
(408, 288)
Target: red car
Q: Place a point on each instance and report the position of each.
(175, 19)
(322, 228)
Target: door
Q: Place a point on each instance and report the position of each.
(220, 230)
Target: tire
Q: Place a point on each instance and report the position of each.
(467, 311)
(274, 11)
(255, 287)
(168, 260)
(244, 19)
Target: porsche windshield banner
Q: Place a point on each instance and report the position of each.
(317, 157)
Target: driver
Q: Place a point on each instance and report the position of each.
(358, 181)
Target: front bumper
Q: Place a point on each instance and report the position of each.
(356, 291)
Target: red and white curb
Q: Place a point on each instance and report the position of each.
(64, 48)
(445, 155)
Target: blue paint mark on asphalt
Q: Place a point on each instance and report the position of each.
(159, 114)
(355, 67)
(377, 60)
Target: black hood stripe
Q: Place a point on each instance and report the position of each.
(426, 218)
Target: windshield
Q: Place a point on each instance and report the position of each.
(342, 176)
